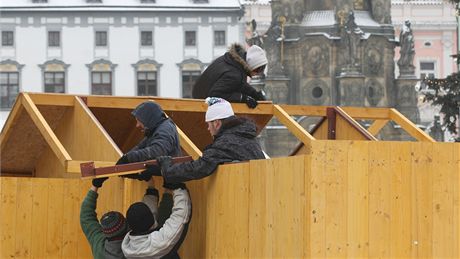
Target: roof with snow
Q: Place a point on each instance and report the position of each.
(417, 2)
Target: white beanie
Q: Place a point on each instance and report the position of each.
(255, 57)
(218, 109)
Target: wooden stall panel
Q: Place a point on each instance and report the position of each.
(24, 218)
(358, 199)
(40, 217)
(8, 217)
(346, 131)
(400, 165)
(422, 204)
(71, 205)
(379, 199)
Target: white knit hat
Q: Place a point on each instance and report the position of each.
(218, 109)
(255, 57)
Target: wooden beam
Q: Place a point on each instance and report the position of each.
(410, 127)
(52, 99)
(188, 145)
(47, 133)
(12, 118)
(367, 113)
(375, 128)
(355, 124)
(293, 126)
(73, 166)
(301, 110)
(79, 102)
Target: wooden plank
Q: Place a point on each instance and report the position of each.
(355, 131)
(375, 128)
(379, 199)
(307, 206)
(55, 208)
(336, 198)
(358, 199)
(10, 121)
(71, 218)
(368, 113)
(52, 99)
(188, 145)
(422, 193)
(318, 200)
(228, 202)
(293, 110)
(40, 217)
(8, 217)
(73, 166)
(260, 212)
(45, 130)
(23, 230)
(409, 127)
(455, 178)
(401, 185)
(288, 208)
(292, 126)
(443, 200)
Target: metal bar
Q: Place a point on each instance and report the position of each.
(88, 169)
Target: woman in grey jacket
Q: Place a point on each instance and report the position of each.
(144, 241)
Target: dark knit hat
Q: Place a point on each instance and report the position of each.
(140, 217)
(114, 224)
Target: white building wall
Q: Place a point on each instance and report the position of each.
(169, 52)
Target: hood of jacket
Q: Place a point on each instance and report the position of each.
(150, 114)
(112, 249)
(238, 126)
(238, 54)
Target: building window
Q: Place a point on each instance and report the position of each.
(146, 38)
(39, 1)
(188, 80)
(219, 38)
(101, 38)
(427, 69)
(54, 82)
(9, 89)
(200, 1)
(147, 83)
(101, 83)
(7, 38)
(148, 1)
(190, 38)
(94, 1)
(54, 38)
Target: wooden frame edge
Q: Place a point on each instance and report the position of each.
(410, 127)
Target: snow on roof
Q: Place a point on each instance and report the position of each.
(327, 18)
(28, 5)
(417, 2)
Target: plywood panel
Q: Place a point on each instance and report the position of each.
(401, 199)
(71, 204)
(335, 178)
(55, 213)
(321, 131)
(40, 216)
(358, 199)
(24, 218)
(379, 199)
(345, 131)
(8, 217)
(422, 191)
(318, 200)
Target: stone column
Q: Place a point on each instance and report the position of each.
(351, 89)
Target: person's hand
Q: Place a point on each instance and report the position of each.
(174, 186)
(260, 96)
(130, 176)
(250, 102)
(123, 160)
(164, 162)
(97, 182)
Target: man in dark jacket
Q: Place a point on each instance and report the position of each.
(160, 138)
(226, 77)
(234, 140)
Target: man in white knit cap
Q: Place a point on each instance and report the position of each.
(226, 77)
(234, 140)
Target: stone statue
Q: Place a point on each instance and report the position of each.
(352, 40)
(407, 51)
(255, 38)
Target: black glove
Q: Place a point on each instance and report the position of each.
(250, 102)
(123, 160)
(260, 96)
(130, 176)
(173, 186)
(97, 182)
(164, 162)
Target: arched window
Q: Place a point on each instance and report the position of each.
(101, 77)
(54, 76)
(190, 70)
(147, 77)
(10, 71)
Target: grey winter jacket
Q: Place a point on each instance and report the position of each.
(235, 141)
(161, 136)
(226, 77)
(160, 242)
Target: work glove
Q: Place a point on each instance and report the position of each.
(260, 96)
(123, 160)
(173, 186)
(97, 182)
(250, 102)
(164, 162)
